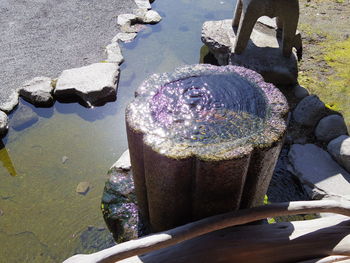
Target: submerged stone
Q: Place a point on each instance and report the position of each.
(118, 204)
(23, 117)
(83, 188)
(94, 239)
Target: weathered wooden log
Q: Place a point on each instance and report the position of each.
(276, 243)
(342, 259)
(196, 136)
(321, 237)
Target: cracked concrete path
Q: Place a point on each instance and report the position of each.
(45, 37)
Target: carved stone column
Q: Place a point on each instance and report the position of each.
(203, 140)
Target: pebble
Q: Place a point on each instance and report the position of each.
(64, 159)
(83, 188)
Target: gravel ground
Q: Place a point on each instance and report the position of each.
(44, 37)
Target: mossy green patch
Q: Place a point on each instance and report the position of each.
(337, 56)
(330, 78)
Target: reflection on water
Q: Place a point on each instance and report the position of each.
(5, 159)
(43, 216)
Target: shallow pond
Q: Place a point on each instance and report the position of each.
(42, 218)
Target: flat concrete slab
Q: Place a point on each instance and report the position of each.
(45, 37)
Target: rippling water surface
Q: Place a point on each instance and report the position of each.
(42, 218)
(209, 108)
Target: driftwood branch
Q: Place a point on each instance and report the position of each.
(331, 259)
(210, 224)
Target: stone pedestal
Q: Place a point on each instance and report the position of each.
(203, 140)
(263, 53)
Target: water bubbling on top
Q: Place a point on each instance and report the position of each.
(210, 112)
(209, 108)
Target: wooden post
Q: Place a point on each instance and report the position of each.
(196, 136)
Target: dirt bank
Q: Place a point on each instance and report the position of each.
(325, 68)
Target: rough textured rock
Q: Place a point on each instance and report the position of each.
(114, 53)
(123, 163)
(124, 37)
(38, 91)
(23, 118)
(8, 103)
(263, 52)
(309, 111)
(83, 188)
(300, 92)
(147, 16)
(94, 84)
(4, 125)
(143, 4)
(320, 174)
(119, 206)
(339, 148)
(330, 127)
(126, 19)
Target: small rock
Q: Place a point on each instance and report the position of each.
(123, 163)
(114, 53)
(330, 127)
(126, 19)
(147, 16)
(4, 123)
(94, 84)
(83, 188)
(10, 102)
(300, 92)
(38, 91)
(64, 159)
(320, 174)
(309, 111)
(151, 17)
(143, 4)
(23, 117)
(339, 148)
(124, 37)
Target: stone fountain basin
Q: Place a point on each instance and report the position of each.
(203, 140)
